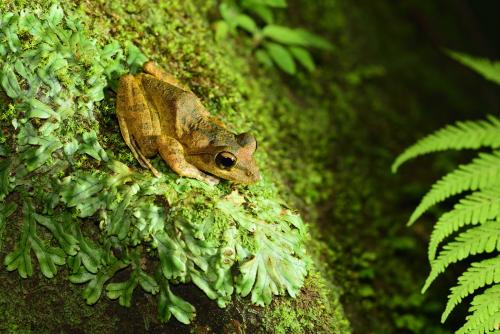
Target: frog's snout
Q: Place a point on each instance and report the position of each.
(253, 176)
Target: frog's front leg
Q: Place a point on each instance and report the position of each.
(131, 110)
(173, 153)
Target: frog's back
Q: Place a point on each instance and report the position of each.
(177, 109)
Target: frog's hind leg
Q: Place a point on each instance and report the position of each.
(173, 153)
(131, 108)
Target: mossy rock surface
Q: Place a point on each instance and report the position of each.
(77, 207)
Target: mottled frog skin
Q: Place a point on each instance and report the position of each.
(157, 114)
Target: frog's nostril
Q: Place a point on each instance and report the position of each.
(254, 176)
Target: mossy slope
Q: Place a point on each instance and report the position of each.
(178, 36)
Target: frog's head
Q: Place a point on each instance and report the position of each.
(233, 162)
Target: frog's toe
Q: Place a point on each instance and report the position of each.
(155, 172)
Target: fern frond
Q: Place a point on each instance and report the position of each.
(461, 135)
(485, 309)
(480, 274)
(488, 69)
(483, 172)
(477, 208)
(479, 239)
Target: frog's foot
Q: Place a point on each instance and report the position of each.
(142, 159)
(173, 153)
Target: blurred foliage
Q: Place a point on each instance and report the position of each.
(274, 44)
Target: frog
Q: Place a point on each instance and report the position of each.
(157, 114)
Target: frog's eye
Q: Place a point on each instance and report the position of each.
(225, 160)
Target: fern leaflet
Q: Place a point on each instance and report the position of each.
(479, 239)
(481, 173)
(462, 135)
(474, 209)
(485, 309)
(477, 276)
(488, 69)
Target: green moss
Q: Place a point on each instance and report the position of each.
(313, 312)
(8, 113)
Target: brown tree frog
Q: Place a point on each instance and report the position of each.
(157, 114)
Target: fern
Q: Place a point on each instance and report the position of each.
(481, 173)
(474, 209)
(476, 216)
(480, 274)
(462, 135)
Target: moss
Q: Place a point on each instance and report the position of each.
(68, 316)
(8, 113)
(313, 312)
